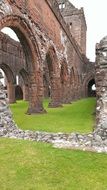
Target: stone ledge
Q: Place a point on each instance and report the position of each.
(90, 142)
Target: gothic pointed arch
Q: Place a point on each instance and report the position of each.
(10, 82)
(28, 41)
(87, 85)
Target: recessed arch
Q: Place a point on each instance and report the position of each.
(52, 60)
(10, 82)
(18, 92)
(64, 71)
(91, 91)
(25, 75)
(64, 77)
(53, 70)
(87, 85)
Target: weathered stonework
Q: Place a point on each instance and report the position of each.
(48, 44)
(13, 64)
(76, 22)
(6, 121)
(96, 141)
(101, 84)
(54, 59)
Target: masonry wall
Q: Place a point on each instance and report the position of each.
(12, 55)
(49, 48)
(12, 62)
(76, 21)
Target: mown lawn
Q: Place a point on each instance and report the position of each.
(26, 165)
(75, 117)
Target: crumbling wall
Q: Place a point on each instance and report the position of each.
(101, 85)
(76, 22)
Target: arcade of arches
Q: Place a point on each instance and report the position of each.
(49, 60)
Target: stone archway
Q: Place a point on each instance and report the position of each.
(52, 68)
(28, 41)
(10, 79)
(87, 85)
(18, 93)
(91, 91)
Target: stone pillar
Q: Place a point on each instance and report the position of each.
(101, 88)
(25, 92)
(11, 92)
(66, 93)
(35, 100)
(56, 96)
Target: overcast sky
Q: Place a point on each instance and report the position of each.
(96, 14)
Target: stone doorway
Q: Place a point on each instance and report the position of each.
(91, 88)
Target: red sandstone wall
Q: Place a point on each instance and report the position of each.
(41, 13)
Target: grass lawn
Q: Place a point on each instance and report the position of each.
(75, 117)
(26, 165)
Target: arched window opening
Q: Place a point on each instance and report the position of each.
(61, 5)
(91, 88)
(18, 93)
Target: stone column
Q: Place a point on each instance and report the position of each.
(56, 96)
(67, 93)
(25, 92)
(35, 99)
(11, 92)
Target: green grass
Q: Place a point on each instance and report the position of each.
(75, 117)
(26, 165)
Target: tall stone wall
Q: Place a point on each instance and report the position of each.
(76, 22)
(101, 84)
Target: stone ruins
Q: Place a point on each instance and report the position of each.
(51, 61)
